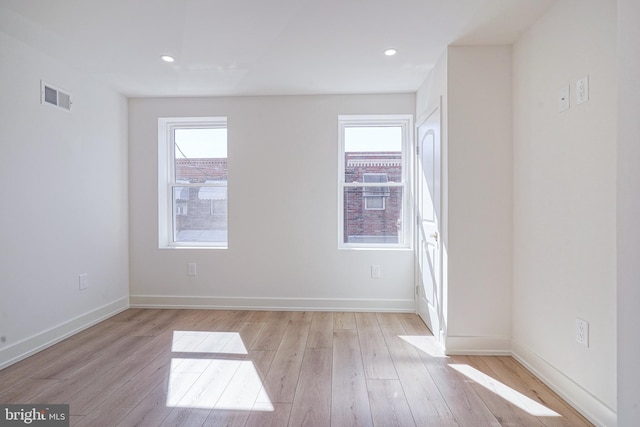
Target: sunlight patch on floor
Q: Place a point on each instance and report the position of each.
(425, 343)
(220, 377)
(207, 342)
(516, 398)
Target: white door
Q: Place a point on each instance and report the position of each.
(429, 241)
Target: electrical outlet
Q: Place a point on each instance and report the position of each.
(191, 270)
(83, 281)
(582, 90)
(375, 272)
(582, 332)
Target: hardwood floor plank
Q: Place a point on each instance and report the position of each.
(427, 404)
(186, 417)
(90, 397)
(282, 378)
(209, 385)
(150, 411)
(349, 396)
(375, 355)
(391, 318)
(94, 370)
(62, 361)
(321, 332)
(488, 388)
(27, 390)
(389, 405)
(312, 402)
(464, 403)
(262, 360)
(193, 319)
(159, 323)
(115, 406)
(413, 325)
(516, 377)
(249, 332)
(74, 420)
(243, 389)
(15, 374)
(301, 316)
(221, 324)
(245, 386)
(271, 335)
(137, 315)
(127, 315)
(278, 417)
(344, 320)
(258, 316)
(227, 418)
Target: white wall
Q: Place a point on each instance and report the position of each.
(628, 212)
(564, 203)
(475, 86)
(432, 91)
(283, 157)
(64, 202)
(479, 208)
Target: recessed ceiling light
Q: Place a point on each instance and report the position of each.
(167, 58)
(390, 52)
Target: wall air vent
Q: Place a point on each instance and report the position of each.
(49, 94)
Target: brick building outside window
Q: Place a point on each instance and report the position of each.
(373, 214)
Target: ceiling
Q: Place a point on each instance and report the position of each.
(259, 47)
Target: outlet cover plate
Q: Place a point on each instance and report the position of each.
(191, 269)
(375, 272)
(582, 332)
(582, 90)
(83, 281)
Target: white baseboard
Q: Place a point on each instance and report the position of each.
(480, 346)
(582, 400)
(276, 304)
(28, 346)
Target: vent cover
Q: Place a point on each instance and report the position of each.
(49, 94)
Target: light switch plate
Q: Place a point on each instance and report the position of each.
(563, 99)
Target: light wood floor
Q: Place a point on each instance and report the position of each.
(249, 368)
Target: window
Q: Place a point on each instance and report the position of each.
(192, 182)
(374, 197)
(373, 185)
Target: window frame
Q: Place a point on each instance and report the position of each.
(405, 122)
(167, 178)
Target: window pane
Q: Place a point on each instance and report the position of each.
(375, 150)
(372, 138)
(375, 192)
(373, 215)
(200, 214)
(200, 154)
